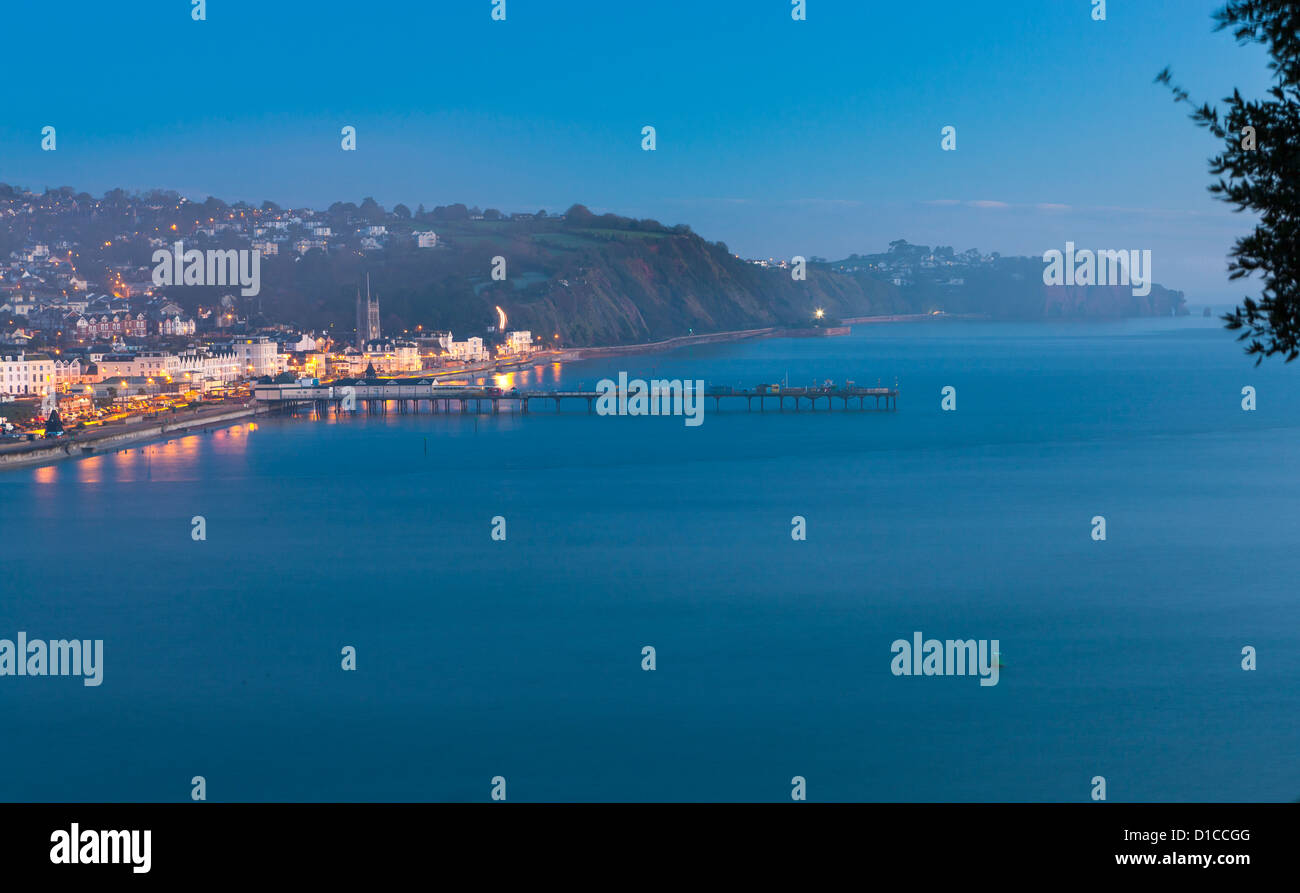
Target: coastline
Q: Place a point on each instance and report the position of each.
(109, 440)
(104, 440)
(584, 353)
(911, 317)
(587, 353)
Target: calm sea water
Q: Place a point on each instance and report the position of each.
(523, 658)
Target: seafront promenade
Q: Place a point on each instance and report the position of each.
(108, 438)
(158, 426)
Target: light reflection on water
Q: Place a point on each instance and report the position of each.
(630, 531)
(180, 458)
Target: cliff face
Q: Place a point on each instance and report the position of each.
(588, 279)
(610, 280)
(1012, 288)
(1094, 301)
(653, 289)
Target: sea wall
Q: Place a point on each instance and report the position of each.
(43, 452)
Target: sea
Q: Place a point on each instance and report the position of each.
(518, 662)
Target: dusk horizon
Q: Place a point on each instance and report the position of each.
(760, 159)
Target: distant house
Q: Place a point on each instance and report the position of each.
(470, 350)
(518, 342)
(171, 326)
(139, 288)
(303, 344)
(117, 323)
(392, 356)
(437, 341)
(67, 373)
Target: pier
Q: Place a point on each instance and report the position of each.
(413, 395)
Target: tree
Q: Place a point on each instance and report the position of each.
(579, 214)
(451, 212)
(402, 212)
(1259, 170)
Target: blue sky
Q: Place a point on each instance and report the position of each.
(777, 137)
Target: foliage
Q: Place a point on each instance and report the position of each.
(1259, 170)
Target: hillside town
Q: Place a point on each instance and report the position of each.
(90, 338)
(132, 303)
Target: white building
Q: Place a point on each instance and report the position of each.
(67, 374)
(518, 342)
(203, 368)
(471, 350)
(31, 373)
(146, 364)
(221, 365)
(392, 357)
(175, 325)
(257, 357)
(426, 239)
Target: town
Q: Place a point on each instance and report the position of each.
(90, 337)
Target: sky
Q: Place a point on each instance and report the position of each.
(778, 137)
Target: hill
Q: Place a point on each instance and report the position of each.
(588, 279)
(615, 280)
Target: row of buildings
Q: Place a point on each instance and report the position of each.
(216, 366)
(26, 374)
(96, 316)
(81, 314)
